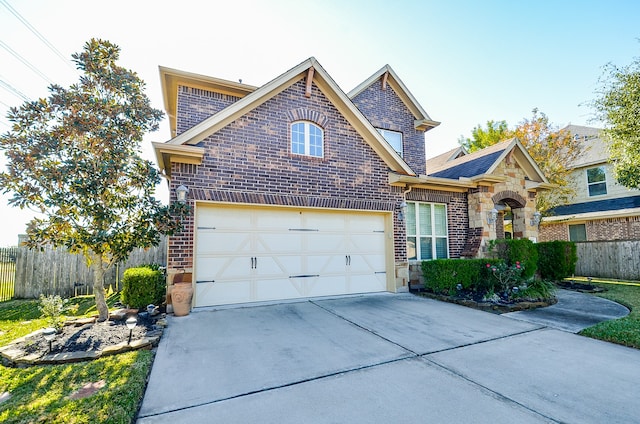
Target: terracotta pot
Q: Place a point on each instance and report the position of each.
(181, 295)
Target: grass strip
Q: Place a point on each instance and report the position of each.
(42, 393)
(624, 331)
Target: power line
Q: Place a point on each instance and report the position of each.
(25, 61)
(15, 91)
(35, 32)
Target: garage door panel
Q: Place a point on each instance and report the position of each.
(366, 223)
(328, 285)
(323, 221)
(221, 268)
(279, 243)
(325, 264)
(277, 220)
(283, 288)
(216, 242)
(331, 243)
(256, 254)
(222, 293)
(360, 263)
(224, 218)
(274, 267)
(365, 242)
(367, 283)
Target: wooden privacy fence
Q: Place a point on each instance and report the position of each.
(609, 259)
(56, 271)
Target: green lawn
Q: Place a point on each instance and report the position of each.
(41, 393)
(624, 331)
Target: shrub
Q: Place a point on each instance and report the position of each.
(536, 290)
(520, 250)
(444, 275)
(505, 276)
(556, 259)
(52, 308)
(142, 286)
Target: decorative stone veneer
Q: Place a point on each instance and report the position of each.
(512, 192)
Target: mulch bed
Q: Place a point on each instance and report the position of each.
(85, 338)
(580, 286)
(88, 337)
(476, 302)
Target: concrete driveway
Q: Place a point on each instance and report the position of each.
(383, 358)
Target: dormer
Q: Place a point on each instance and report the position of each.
(391, 108)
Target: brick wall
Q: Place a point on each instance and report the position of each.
(196, 105)
(624, 228)
(249, 161)
(384, 109)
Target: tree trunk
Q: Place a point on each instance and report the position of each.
(98, 287)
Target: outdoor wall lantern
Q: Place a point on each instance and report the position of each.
(535, 219)
(49, 334)
(131, 323)
(401, 208)
(492, 216)
(181, 194)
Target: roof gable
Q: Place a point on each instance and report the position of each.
(170, 79)
(439, 161)
(484, 162)
(387, 74)
(311, 70)
(593, 147)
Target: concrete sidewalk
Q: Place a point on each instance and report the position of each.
(383, 358)
(574, 312)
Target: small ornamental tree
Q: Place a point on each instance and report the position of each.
(74, 157)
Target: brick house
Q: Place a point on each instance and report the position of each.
(602, 209)
(298, 189)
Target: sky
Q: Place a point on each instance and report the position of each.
(466, 62)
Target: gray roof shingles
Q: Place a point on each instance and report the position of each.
(471, 168)
(597, 206)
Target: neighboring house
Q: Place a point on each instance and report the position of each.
(601, 209)
(298, 189)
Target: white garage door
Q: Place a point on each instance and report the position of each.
(255, 254)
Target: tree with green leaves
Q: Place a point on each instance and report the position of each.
(554, 151)
(75, 158)
(618, 107)
(495, 132)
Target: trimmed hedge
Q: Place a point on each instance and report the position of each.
(443, 275)
(556, 259)
(142, 286)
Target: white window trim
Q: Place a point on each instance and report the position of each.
(606, 189)
(382, 133)
(307, 138)
(433, 236)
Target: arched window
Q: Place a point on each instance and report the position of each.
(307, 139)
